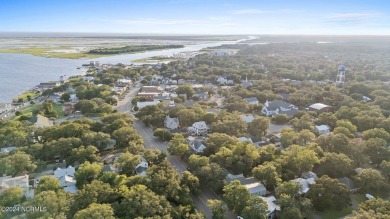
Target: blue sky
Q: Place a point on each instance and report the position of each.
(370, 17)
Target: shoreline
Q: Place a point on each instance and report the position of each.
(134, 61)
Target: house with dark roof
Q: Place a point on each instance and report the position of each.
(349, 183)
(196, 145)
(275, 107)
(142, 167)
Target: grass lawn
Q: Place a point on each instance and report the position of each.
(333, 214)
(58, 109)
(27, 111)
(24, 95)
(358, 198)
(51, 52)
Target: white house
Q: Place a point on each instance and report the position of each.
(252, 100)
(319, 107)
(142, 167)
(256, 188)
(141, 105)
(323, 129)
(171, 123)
(305, 184)
(245, 139)
(6, 150)
(18, 181)
(274, 107)
(272, 206)
(66, 178)
(199, 128)
(248, 118)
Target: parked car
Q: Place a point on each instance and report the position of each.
(368, 196)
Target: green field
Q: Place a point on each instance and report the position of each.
(132, 49)
(24, 95)
(28, 111)
(155, 59)
(50, 52)
(333, 214)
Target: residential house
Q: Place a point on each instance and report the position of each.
(223, 80)
(110, 168)
(273, 208)
(199, 128)
(141, 105)
(43, 121)
(256, 188)
(245, 139)
(89, 78)
(6, 150)
(223, 52)
(323, 129)
(349, 183)
(142, 167)
(171, 123)
(196, 145)
(17, 181)
(252, 100)
(148, 95)
(246, 84)
(247, 118)
(66, 178)
(319, 107)
(252, 184)
(123, 82)
(275, 107)
(49, 85)
(152, 89)
(73, 98)
(305, 184)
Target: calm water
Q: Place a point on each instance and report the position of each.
(20, 72)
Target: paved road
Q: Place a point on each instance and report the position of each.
(152, 142)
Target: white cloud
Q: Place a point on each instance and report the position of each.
(150, 21)
(258, 11)
(353, 16)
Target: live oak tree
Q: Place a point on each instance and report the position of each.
(94, 192)
(235, 196)
(331, 160)
(164, 180)
(259, 126)
(329, 193)
(298, 159)
(57, 204)
(48, 183)
(17, 163)
(191, 181)
(96, 211)
(81, 154)
(218, 208)
(139, 201)
(215, 141)
(255, 208)
(87, 172)
(373, 208)
(127, 162)
(178, 146)
(11, 196)
(372, 181)
(268, 175)
(376, 150)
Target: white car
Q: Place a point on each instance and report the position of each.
(368, 196)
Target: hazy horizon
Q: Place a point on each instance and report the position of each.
(189, 17)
